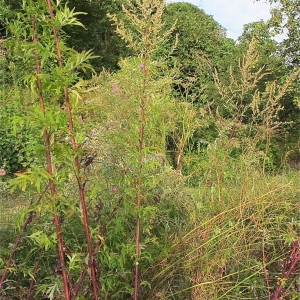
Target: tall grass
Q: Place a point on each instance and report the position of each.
(238, 235)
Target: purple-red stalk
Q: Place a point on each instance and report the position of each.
(91, 262)
(103, 231)
(51, 182)
(289, 267)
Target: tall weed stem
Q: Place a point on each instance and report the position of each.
(289, 266)
(91, 262)
(50, 171)
(139, 183)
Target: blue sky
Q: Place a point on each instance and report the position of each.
(233, 14)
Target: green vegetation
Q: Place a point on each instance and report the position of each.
(162, 165)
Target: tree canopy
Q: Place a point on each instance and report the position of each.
(202, 44)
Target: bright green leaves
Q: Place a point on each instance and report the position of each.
(75, 260)
(41, 239)
(52, 290)
(34, 176)
(64, 16)
(34, 20)
(17, 136)
(30, 43)
(77, 61)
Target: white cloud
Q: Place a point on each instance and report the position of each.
(233, 14)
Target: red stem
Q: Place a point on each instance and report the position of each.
(51, 182)
(91, 262)
(290, 264)
(103, 231)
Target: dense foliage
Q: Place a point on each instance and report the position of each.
(169, 174)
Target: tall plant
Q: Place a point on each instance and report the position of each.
(256, 112)
(144, 36)
(36, 29)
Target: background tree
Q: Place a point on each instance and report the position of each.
(269, 58)
(99, 32)
(202, 46)
(285, 20)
